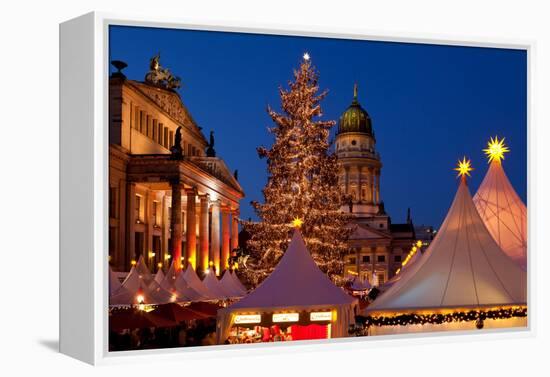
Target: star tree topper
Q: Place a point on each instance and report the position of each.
(495, 149)
(297, 222)
(464, 168)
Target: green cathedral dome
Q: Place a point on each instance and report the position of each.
(355, 118)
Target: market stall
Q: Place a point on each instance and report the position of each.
(297, 301)
(463, 281)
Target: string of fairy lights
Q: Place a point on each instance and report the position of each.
(364, 323)
(414, 249)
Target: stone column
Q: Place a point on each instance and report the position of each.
(373, 261)
(378, 186)
(225, 239)
(234, 229)
(373, 186)
(121, 256)
(149, 221)
(203, 234)
(359, 183)
(165, 230)
(215, 236)
(130, 225)
(367, 184)
(346, 178)
(176, 225)
(191, 232)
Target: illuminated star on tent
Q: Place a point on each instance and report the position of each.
(464, 167)
(495, 149)
(306, 56)
(297, 222)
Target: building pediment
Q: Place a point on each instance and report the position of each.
(363, 232)
(170, 102)
(218, 169)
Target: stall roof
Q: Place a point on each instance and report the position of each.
(503, 212)
(296, 281)
(463, 267)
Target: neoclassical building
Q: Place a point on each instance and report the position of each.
(170, 197)
(377, 246)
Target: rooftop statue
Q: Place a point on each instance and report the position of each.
(160, 76)
(176, 149)
(210, 151)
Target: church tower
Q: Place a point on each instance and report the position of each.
(359, 163)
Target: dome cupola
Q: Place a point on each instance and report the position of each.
(355, 118)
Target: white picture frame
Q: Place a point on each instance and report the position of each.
(84, 177)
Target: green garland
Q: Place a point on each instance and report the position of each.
(438, 319)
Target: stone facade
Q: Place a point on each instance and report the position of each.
(161, 208)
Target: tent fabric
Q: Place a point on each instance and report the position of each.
(132, 318)
(230, 286)
(140, 281)
(503, 212)
(169, 280)
(143, 271)
(359, 284)
(215, 287)
(295, 284)
(159, 276)
(196, 284)
(152, 295)
(238, 283)
(177, 313)
(114, 283)
(131, 282)
(296, 281)
(174, 282)
(407, 267)
(463, 267)
(207, 308)
(185, 292)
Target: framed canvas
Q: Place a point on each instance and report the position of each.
(237, 189)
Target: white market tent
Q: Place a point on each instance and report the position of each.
(228, 284)
(193, 281)
(169, 280)
(238, 283)
(403, 271)
(134, 286)
(140, 282)
(359, 284)
(143, 271)
(462, 268)
(185, 292)
(159, 276)
(296, 284)
(216, 288)
(174, 282)
(503, 213)
(114, 283)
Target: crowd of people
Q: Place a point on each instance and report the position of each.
(186, 334)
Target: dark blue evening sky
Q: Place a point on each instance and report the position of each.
(430, 104)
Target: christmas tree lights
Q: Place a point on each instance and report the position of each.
(302, 184)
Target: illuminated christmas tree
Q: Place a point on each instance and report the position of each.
(302, 188)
